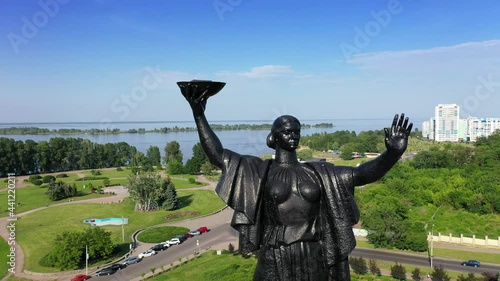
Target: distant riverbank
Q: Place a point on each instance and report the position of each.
(164, 130)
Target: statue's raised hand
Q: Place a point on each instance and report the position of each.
(197, 93)
(396, 140)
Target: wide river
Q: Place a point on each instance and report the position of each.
(252, 142)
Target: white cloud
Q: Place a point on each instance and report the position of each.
(258, 72)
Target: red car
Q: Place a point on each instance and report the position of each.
(203, 229)
(80, 277)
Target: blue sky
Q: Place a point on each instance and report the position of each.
(118, 61)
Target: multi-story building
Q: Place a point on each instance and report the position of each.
(481, 127)
(447, 124)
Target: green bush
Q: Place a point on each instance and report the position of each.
(37, 182)
(192, 180)
(33, 178)
(63, 175)
(48, 178)
(119, 169)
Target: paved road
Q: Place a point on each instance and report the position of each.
(422, 261)
(217, 237)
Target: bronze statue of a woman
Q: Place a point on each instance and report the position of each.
(298, 216)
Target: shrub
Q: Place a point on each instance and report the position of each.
(95, 172)
(63, 175)
(439, 274)
(415, 274)
(374, 269)
(119, 169)
(37, 182)
(33, 178)
(106, 182)
(48, 178)
(398, 271)
(358, 265)
(192, 180)
(91, 178)
(230, 248)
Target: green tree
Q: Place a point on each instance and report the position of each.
(439, 274)
(60, 190)
(193, 165)
(398, 271)
(358, 265)
(143, 190)
(416, 274)
(207, 168)
(168, 198)
(175, 168)
(386, 219)
(304, 154)
(68, 251)
(374, 269)
(346, 151)
(172, 152)
(153, 155)
(469, 277)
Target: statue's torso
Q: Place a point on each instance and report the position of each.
(291, 199)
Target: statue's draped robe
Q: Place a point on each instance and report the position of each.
(240, 186)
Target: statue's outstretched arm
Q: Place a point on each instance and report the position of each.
(208, 139)
(396, 141)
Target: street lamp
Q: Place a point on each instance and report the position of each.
(432, 244)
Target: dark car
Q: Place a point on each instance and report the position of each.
(473, 263)
(159, 247)
(118, 266)
(105, 271)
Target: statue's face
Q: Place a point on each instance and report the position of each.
(289, 136)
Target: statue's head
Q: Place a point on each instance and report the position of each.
(285, 133)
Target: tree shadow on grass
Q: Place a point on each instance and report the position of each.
(185, 201)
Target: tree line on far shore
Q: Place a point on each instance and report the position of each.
(164, 130)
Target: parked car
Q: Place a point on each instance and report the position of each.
(105, 271)
(187, 235)
(80, 277)
(181, 238)
(473, 263)
(131, 260)
(118, 266)
(203, 229)
(159, 247)
(165, 244)
(194, 232)
(174, 241)
(147, 253)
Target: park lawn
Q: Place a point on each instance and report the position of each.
(4, 259)
(110, 173)
(209, 266)
(36, 231)
(340, 162)
(161, 234)
(32, 197)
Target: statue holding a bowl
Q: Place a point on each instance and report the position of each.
(298, 217)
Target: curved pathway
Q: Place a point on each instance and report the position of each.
(121, 193)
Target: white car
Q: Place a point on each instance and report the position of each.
(174, 241)
(195, 232)
(147, 253)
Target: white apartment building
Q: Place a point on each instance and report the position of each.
(481, 127)
(447, 126)
(447, 122)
